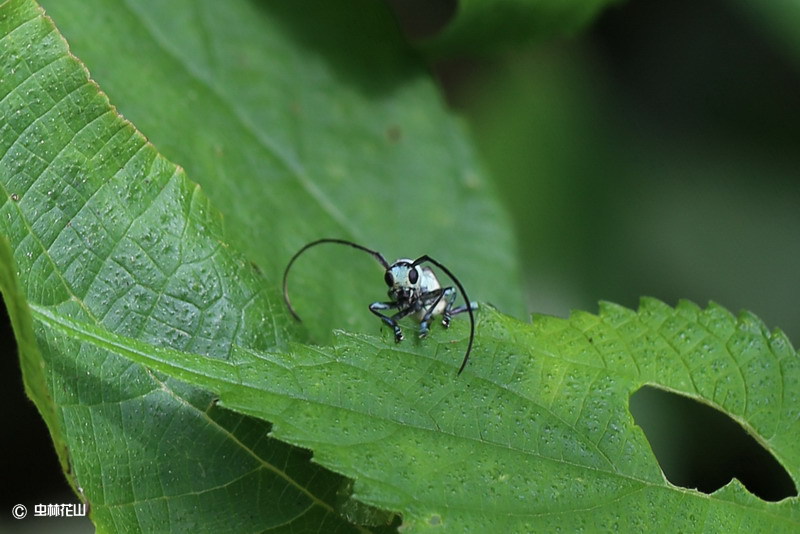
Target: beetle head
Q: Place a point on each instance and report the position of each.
(403, 279)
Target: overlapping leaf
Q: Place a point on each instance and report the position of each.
(536, 435)
(302, 120)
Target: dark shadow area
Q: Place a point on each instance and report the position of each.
(701, 448)
(705, 66)
(423, 19)
(360, 40)
(30, 467)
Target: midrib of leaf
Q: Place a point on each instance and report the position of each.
(210, 373)
(205, 372)
(291, 164)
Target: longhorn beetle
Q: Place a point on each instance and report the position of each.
(413, 289)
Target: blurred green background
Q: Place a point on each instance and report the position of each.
(656, 153)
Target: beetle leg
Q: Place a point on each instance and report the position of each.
(461, 309)
(450, 298)
(377, 307)
(431, 299)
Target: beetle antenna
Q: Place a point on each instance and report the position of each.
(377, 255)
(425, 258)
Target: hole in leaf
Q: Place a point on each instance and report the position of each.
(702, 448)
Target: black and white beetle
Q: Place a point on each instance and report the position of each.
(413, 290)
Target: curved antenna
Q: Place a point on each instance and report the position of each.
(425, 258)
(377, 255)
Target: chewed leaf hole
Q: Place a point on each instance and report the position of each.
(702, 448)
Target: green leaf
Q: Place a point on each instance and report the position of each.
(483, 26)
(536, 435)
(282, 129)
(302, 120)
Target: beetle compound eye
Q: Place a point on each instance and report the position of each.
(388, 279)
(413, 275)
